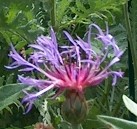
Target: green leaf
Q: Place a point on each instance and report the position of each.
(117, 123)
(13, 127)
(9, 94)
(9, 79)
(1, 80)
(18, 22)
(96, 9)
(130, 105)
(133, 17)
(62, 6)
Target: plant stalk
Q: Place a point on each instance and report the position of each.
(77, 126)
(112, 99)
(131, 55)
(130, 38)
(53, 13)
(106, 91)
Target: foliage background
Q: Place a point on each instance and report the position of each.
(21, 21)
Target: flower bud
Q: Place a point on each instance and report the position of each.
(74, 109)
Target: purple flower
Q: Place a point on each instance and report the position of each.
(72, 67)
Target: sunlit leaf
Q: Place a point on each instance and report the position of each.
(131, 106)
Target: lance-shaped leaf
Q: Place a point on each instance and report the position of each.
(9, 94)
(117, 123)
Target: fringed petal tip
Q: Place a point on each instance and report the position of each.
(28, 100)
(115, 77)
(28, 107)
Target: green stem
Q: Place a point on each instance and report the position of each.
(106, 91)
(131, 38)
(53, 13)
(117, 107)
(112, 98)
(77, 126)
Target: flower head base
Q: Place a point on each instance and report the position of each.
(72, 67)
(75, 108)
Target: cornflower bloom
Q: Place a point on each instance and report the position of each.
(73, 67)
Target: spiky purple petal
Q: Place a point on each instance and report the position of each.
(72, 67)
